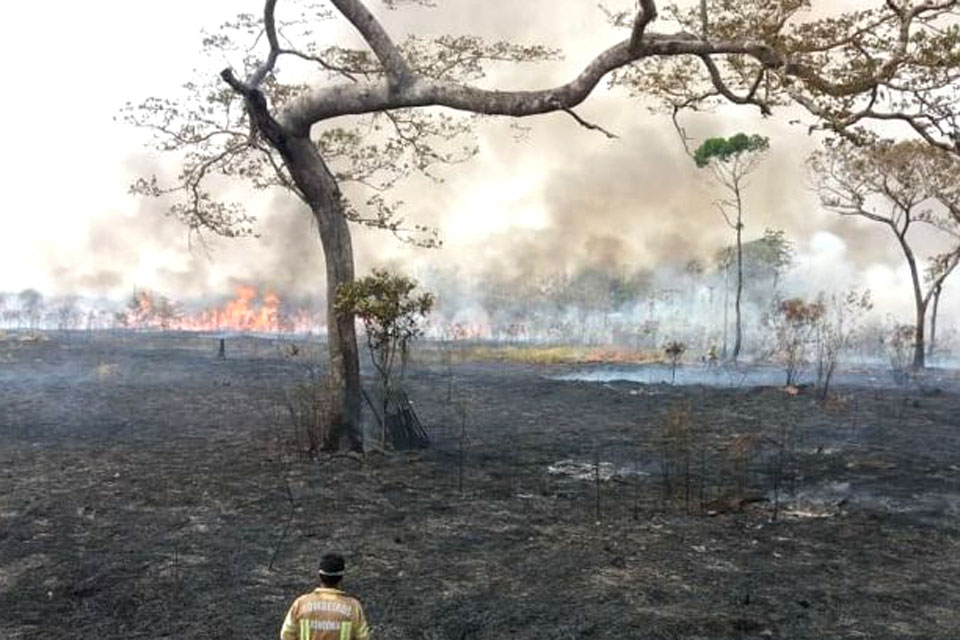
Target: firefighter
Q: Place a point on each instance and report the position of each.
(326, 613)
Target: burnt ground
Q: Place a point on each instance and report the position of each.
(145, 491)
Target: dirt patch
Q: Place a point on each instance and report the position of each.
(143, 492)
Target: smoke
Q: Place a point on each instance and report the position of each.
(563, 200)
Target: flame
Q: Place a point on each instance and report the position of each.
(247, 312)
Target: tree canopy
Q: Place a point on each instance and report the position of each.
(900, 185)
(725, 149)
(892, 61)
(385, 303)
(768, 256)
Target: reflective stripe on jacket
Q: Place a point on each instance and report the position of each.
(325, 614)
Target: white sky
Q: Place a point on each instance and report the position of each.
(70, 66)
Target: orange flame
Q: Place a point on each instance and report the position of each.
(245, 313)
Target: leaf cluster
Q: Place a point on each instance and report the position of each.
(208, 126)
(797, 312)
(727, 149)
(771, 254)
(674, 350)
(888, 60)
(385, 303)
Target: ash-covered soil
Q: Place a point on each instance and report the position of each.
(146, 491)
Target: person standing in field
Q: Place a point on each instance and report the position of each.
(326, 613)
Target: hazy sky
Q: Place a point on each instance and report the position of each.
(561, 196)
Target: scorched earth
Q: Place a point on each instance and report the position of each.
(147, 489)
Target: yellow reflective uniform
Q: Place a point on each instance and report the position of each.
(325, 614)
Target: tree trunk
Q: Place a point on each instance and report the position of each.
(920, 302)
(933, 321)
(320, 189)
(919, 352)
(726, 307)
(738, 335)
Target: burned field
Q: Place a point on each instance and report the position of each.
(147, 489)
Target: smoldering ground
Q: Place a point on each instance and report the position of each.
(158, 495)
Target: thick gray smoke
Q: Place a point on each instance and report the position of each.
(563, 201)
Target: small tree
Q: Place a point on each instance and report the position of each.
(31, 307)
(935, 268)
(770, 255)
(732, 160)
(841, 320)
(67, 314)
(794, 323)
(899, 344)
(141, 309)
(391, 317)
(674, 350)
(168, 312)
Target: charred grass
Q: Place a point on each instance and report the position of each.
(146, 491)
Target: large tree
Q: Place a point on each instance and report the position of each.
(306, 135)
(899, 185)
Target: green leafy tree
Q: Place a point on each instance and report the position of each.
(391, 315)
(729, 151)
(340, 138)
(732, 160)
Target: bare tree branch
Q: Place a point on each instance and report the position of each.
(329, 66)
(270, 28)
(397, 70)
(590, 125)
(725, 91)
(704, 21)
(721, 207)
(329, 102)
(646, 15)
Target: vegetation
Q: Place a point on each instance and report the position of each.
(901, 186)
(391, 315)
(839, 325)
(674, 351)
(308, 138)
(795, 323)
(732, 160)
